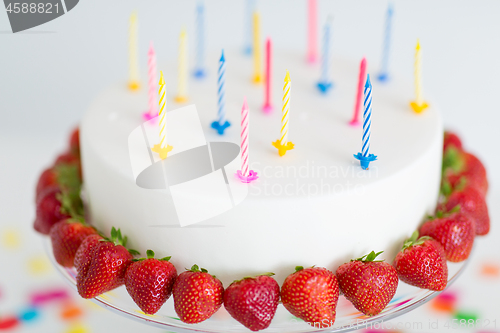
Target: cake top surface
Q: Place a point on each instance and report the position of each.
(324, 141)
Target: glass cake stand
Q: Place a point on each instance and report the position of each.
(348, 319)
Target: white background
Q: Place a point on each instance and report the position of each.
(49, 75)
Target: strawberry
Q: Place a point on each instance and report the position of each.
(311, 294)
(74, 142)
(108, 264)
(422, 263)
(47, 179)
(472, 203)
(83, 255)
(367, 283)
(454, 231)
(61, 175)
(49, 210)
(451, 140)
(458, 164)
(149, 282)
(253, 301)
(197, 295)
(66, 237)
(67, 158)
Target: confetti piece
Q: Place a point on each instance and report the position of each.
(40, 298)
(11, 239)
(465, 315)
(77, 328)
(38, 265)
(8, 323)
(71, 311)
(444, 302)
(29, 315)
(490, 270)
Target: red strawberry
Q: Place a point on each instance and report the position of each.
(253, 301)
(47, 179)
(472, 203)
(67, 158)
(83, 255)
(451, 140)
(422, 263)
(49, 210)
(66, 237)
(454, 231)
(197, 295)
(368, 284)
(150, 282)
(62, 176)
(74, 142)
(311, 294)
(458, 164)
(108, 264)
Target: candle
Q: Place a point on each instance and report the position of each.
(325, 83)
(364, 157)
(357, 106)
(221, 123)
(312, 54)
(268, 107)
(282, 144)
(384, 68)
(257, 78)
(133, 83)
(162, 148)
(152, 99)
(199, 71)
(245, 175)
(418, 105)
(250, 9)
(182, 88)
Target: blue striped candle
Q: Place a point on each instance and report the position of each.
(221, 123)
(199, 71)
(364, 157)
(384, 68)
(325, 82)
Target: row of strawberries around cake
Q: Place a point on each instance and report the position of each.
(310, 294)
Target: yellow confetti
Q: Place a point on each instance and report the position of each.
(77, 328)
(38, 265)
(11, 239)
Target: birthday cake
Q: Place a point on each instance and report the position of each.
(313, 206)
(175, 181)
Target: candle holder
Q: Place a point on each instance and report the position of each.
(220, 128)
(148, 115)
(252, 175)
(162, 151)
(199, 73)
(267, 108)
(324, 86)
(282, 149)
(365, 160)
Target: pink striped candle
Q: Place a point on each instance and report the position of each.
(245, 175)
(359, 95)
(267, 88)
(152, 81)
(312, 42)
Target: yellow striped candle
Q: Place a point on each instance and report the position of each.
(183, 70)
(133, 83)
(418, 105)
(283, 144)
(162, 148)
(257, 60)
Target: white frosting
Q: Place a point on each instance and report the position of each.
(313, 206)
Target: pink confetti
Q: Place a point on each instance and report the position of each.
(40, 298)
